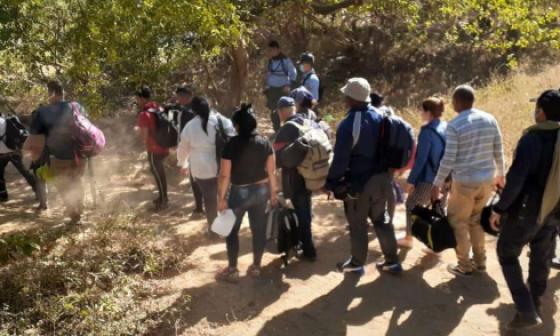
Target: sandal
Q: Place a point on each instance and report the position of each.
(254, 271)
(228, 274)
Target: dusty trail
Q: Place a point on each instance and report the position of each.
(304, 299)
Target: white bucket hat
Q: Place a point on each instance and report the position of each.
(358, 89)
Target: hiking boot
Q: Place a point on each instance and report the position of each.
(457, 270)
(524, 321)
(41, 208)
(390, 268)
(349, 266)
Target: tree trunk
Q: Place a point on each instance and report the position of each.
(238, 75)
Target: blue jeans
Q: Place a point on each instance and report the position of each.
(302, 205)
(252, 199)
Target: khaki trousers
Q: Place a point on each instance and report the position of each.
(466, 203)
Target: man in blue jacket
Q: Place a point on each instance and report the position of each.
(281, 75)
(358, 177)
(528, 211)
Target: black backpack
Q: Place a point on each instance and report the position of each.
(282, 231)
(15, 135)
(165, 133)
(397, 142)
(431, 227)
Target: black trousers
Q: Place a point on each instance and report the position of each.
(197, 193)
(16, 160)
(515, 234)
(158, 170)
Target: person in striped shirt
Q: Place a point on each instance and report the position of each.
(474, 157)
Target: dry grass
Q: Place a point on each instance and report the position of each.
(508, 99)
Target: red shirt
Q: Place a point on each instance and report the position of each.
(147, 120)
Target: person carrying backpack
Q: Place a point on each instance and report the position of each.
(304, 103)
(293, 183)
(360, 177)
(310, 80)
(281, 75)
(528, 212)
(198, 152)
(147, 123)
(430, 149)
(10, 153)
(474, 156)
(182, 115)
(53, 129)
(248, 172)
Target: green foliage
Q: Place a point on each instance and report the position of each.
(105, 48)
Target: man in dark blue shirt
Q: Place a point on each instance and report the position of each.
(358, 177)
(521, 216)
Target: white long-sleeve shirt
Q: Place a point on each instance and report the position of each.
(3, 148)
(197, 149)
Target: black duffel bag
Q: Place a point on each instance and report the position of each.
(431, 227)
(487, 213)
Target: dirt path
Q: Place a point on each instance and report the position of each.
(304, 299)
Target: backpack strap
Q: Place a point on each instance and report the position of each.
(306, 78)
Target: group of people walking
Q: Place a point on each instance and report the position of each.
(458, 163)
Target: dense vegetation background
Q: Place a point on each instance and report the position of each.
(103, 49)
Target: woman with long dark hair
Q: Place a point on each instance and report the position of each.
(197, 152)
(248, 172)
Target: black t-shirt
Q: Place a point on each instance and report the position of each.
(248, 158)
(55, 122)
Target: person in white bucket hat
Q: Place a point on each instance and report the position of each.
(362, 181)
(358, 89)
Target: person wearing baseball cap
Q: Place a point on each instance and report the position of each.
(293, 184)
(362, 181)
(310, 80)
(528, 212)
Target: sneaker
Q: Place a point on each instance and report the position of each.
(457, 270)
(524, 321)
(556, 263)
(479, 268)
(349, 267)
(3, 199)
(391, 268)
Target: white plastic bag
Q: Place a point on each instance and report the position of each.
(223, 224)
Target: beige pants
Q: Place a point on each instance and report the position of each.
(466, 203)
(68, 182)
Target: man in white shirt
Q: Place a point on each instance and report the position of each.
(8, 155)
